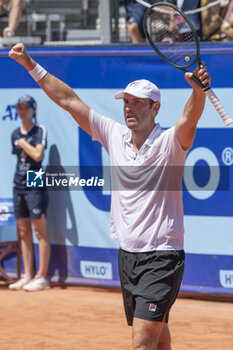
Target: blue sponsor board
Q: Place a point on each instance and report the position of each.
(84, 265)
(77, 265)
(212, 148)
(90, 154)
(209, 274)
(98, 266)
(114, 66)
(7, 225)
(10, 113)
(6, 206)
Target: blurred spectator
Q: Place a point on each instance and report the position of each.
(210, 21)
(14, 9)
(227, 25)
(187, 5)
(134, 16)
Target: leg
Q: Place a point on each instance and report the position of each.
(14, 17)
(40, 228)
(25, 231)
(135, 34)
(150, 335)
(150, 282)
(165, 338)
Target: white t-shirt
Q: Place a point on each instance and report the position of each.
(146, 203)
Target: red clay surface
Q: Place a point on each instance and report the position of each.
(80, 318)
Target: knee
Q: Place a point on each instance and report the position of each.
(39, 234)
(25, 234)
(145, 340)
(40, 228)
(142, 345)
(133, 28)
(146, 334)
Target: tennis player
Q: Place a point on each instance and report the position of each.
(148, 224)
(28, 144)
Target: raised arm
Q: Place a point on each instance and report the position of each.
(186, 126)
(59, 92)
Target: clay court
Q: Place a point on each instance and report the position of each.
(83, 318)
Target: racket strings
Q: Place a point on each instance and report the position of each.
(172, 35)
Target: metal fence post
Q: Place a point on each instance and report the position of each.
(105, 20)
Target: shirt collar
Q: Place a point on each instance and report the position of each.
(27, 132)
(152, 136)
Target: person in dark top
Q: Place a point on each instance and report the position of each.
(30, 204)
(134, 16)
(195, 18)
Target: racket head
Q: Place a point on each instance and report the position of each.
(172, 35)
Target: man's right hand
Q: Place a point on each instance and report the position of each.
(20, 55)
(62, 94)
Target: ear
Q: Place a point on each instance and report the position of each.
(155, 107)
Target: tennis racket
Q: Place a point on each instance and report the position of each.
(173, 37)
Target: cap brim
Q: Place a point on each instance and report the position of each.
(22, 103)
(121, 94)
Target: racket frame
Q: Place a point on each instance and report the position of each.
(197, 57)
(206, 88)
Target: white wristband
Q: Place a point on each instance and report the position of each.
(37, 72)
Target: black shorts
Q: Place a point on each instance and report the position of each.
(135, 13)
(150, 283)
(30, 204)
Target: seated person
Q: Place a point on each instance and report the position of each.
(134, 16)
(227, 25)
(195, 18)
(14, 9)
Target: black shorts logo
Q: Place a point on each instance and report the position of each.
(152, 307)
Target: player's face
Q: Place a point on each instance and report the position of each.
(24, 112)
(139, 113)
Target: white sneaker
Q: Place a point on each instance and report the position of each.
(20, 283)
(38, 283)
(8, 33)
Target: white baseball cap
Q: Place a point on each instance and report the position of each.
(140, 88)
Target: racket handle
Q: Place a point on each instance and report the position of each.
(219, 107)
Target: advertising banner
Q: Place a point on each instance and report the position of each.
(78, 215)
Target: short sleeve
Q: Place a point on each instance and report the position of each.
(13, 141)
(101, 128)
(41, 136)
(173, 146)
